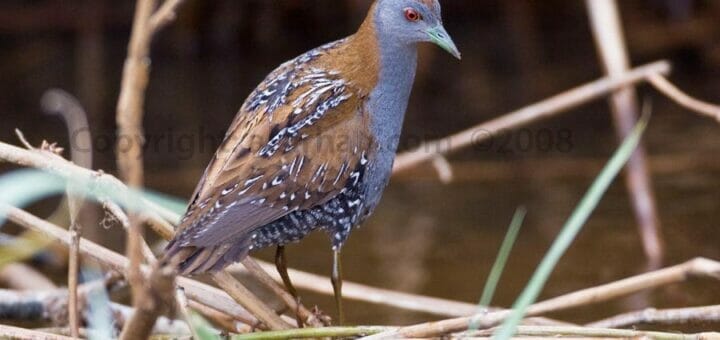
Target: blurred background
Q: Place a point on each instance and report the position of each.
(426, 237)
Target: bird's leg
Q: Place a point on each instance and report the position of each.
(336, 279)
(281, 265)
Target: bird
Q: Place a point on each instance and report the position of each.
(312, 147)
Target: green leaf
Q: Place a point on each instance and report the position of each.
(202, 329)
(571, 228)
(503, 254)
(172, 203)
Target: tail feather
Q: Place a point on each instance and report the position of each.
(191, 260)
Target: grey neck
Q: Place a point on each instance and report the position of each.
(389, 99)
(387, 105)
(398, 63)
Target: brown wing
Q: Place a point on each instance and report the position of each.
(293, 146)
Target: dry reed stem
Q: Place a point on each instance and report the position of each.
(164, 15)
(661, 316)
(73, 268)
(220, 319)
(700, 267)
(64, 331)
(444, 169)
(321, 284)
(159, 291)
(607, 32)
(160, 226)
(50, 305)
(23, 277)
(10, 332)
(266, 279)
(136, 73)
(64, 104)
(184, 312)
(124, 221)
(132, 96)
(565, 332)
(678, 96)
(526, 115)
(379, 296)
(248, 300)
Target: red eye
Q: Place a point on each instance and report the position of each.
(412, 15)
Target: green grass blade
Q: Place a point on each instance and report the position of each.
(22, 187)
(99, 314)
(202, 329)
(503, 254)
(172, 203)
(499, 265)
(571, 229)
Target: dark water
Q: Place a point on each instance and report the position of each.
(427, 237)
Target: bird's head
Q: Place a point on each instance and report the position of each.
(414, 21)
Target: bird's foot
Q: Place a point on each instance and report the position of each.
(325, 319)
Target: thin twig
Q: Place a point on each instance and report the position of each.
(23, 277)
(248, 300)
(124, 221)
(526, 115)
(661, 316)
(159, 292)
(164, 15)
(183, 307)
(321, 284)
(443, 168)
(64, 331)
(258, 272)
(321, 332)
(50, 305)
(64, 104)
(132, 96)
(21, 137)
(10, 332)
(355, 291)
(567, 332)
(223, 320)
(160, 226)
(136, 73)
(607, 31)
(351, 290)
(73, 272)
(700, 267)
(678, 96)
